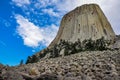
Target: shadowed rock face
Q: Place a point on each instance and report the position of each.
(84, 22)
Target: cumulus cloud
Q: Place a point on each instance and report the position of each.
(33, 35)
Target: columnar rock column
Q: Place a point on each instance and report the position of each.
(84, 22)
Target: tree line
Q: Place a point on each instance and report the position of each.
(67, 48)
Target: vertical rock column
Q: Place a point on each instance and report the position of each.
(84, 22)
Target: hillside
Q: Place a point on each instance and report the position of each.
(85, 48)
(94, 65)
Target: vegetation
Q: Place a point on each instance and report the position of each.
(32, 59)
(21, 62)
(72, 48)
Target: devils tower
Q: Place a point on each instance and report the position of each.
(69, 59)
(84, 22)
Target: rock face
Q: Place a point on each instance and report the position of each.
(94, 65)
(84, 22)
(116, 45)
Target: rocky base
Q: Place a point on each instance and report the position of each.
(94, 65)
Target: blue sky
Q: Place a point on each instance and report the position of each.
(28, 26)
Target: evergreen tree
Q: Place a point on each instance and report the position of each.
(28, 60)
(21, 62)
(55, 51)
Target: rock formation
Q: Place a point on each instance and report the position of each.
(94, 65)
(89, 63)
(84, 22)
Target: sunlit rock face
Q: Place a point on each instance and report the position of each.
(84, 22)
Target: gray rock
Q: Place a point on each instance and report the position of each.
(84, 22)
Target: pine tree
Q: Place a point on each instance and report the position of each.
(21, 62)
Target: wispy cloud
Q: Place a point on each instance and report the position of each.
(21, 3)
(5, 22)
(2, 43)
(51, 12)
(33, 35)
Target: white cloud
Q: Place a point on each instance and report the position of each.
(51, 12)
(21, 3)
(49, 33)
(45, 3)
(67, 5)
(110, 8)
(33, 35)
